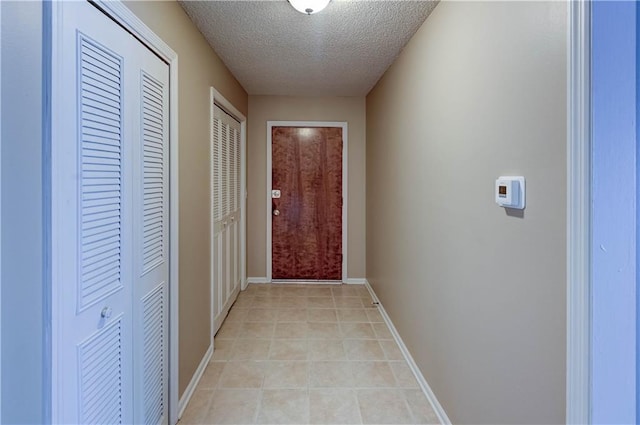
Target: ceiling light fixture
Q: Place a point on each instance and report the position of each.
(309, 7)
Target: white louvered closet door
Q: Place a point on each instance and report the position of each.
(225, 205)
(237, 276)
(109, 236)
(151, 225)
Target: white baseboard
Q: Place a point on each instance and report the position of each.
(257, 280)
(184, 400)
(426, 389)
(355, 281)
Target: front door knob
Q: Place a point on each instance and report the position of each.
(276, 212)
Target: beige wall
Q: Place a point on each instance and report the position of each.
(199, 68)
(284, 108)
(477, 294)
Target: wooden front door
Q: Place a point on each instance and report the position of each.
(307, 211)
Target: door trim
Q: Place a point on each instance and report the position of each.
(218, 99)
(46, 371)
(578, 394)
(117, 11)
(345, 185)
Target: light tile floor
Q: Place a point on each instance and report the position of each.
(307, 354)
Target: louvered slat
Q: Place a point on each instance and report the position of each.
(100, 366)
(238, 171)
(225, 163)
(237, 253)
(154, 355)
(225, 169)
(232, 169)
(101, 173)
(215, 161)
(153, 224)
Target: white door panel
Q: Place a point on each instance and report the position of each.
(150, 254)
(218, 273)
(225, 267)
(233, 264)
(91, 216)
(225, 212)
(110, 271)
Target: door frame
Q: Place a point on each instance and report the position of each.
(119, 13)
(588, 213)
(221, 101)
(345, 185)
(578, 379)
(1, 365)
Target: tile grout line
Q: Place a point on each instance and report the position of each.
(424, 386)
(338, 324)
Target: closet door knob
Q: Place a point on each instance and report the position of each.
(106, 312)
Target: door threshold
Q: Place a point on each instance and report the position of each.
(307, 281)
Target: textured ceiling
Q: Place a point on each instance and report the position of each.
(274, 50)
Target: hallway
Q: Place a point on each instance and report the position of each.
(494, 304)
(298, 354)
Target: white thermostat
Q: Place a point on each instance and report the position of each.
(510, 192)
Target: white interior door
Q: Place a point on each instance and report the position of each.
(109, 214)
(225, 212)
(92, 217)
(150, 236)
